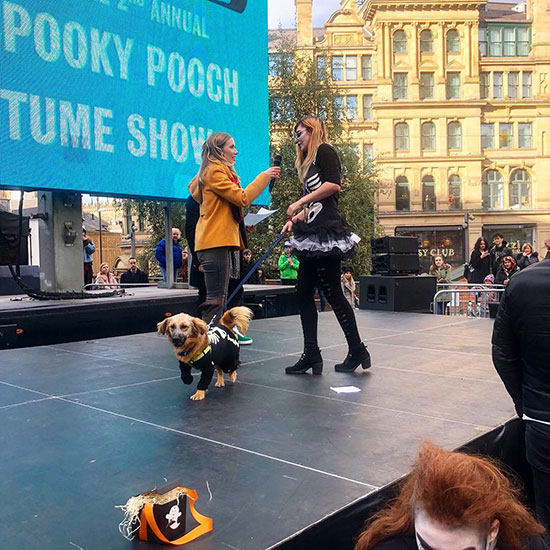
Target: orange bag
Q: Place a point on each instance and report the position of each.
(160, 516)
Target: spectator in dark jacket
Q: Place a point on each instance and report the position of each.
(547, 245)
(247, 265)
(160, 253)
(521, 355)
(527, 256)
(507, 269)
(499, 249)
(134, 274)
(480, 262)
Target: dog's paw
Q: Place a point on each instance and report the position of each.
(233, 377)
(220, 383)
(199, 395)
(187, 379)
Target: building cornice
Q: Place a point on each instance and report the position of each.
(370, 7)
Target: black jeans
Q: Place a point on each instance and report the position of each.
(324, 272)
(537, 443)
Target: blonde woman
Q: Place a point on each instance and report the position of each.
(105, 277)
(321, 240)
(527, 256)
(220, 233)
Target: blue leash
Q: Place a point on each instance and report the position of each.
(247, 276)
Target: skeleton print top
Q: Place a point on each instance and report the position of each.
(323, 232)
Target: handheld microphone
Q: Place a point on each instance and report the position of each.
(276, 162)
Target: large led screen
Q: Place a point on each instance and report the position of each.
(116, 97)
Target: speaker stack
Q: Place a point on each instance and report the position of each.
(395, 284)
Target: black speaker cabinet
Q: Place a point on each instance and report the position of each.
(394, 245)
(396, 264)
(401, 293)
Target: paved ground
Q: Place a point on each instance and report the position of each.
(89, 424)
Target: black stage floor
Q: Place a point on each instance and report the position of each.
(86, 425)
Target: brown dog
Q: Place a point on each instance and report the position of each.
(197, 346)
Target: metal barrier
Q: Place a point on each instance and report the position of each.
(471, 300)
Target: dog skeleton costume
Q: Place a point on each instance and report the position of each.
(222, 351)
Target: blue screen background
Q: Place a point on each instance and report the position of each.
(237, 41)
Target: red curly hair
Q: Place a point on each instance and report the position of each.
(456, 490)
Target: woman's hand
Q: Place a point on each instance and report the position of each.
(293, 208)
(484, 254)
(273, 172)
(287, 227)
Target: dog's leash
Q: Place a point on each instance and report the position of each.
(247, 276)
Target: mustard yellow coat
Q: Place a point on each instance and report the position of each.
(217, 226)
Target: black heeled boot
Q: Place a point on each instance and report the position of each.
(355, 357)
(310, 359)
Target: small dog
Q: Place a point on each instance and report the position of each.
(197, 346)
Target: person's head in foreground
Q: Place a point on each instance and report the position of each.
(454, 501)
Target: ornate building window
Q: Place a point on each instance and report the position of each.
(487, 136)
(453, 41)
(321, 63)
(505, 135)
(428, 193)
(338, 106)
(492, 191)
(509, 40)
(453, 85)
(399, 42)
(275, 109)
(525, 135)
(367, 107)
(337, 67)
(455, 200)
(482, 39)
(426, 85)
(520, 189)
(497, 85)
(402, 195)
(402, 136)
(351, 67)
(368, 152)
(366, 67)
(400, 86)
(513, 85)
(428, 136)
(484, 85)
(351, 107)
(426, 41)
(454, 135)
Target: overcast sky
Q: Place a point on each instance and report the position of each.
(284, 12)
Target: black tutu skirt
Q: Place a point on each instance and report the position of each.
(337, 241)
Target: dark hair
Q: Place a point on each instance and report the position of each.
(479, 241)
(346, 269)
(132, 258)
(497, 234)
(455, 489)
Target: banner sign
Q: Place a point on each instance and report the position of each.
(116, 97)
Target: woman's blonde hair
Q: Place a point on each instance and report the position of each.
(212, 152)
(318, 134)
(529, 245)
(103, 264)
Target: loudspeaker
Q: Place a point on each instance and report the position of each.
(396, 264)
(401, 293)
(394, 245)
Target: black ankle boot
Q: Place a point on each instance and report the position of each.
(310, 359)
(355, 357)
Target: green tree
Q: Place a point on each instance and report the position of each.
(298, 89)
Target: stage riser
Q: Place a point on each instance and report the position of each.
(66, 322)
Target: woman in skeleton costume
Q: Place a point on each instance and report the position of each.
(321, 240)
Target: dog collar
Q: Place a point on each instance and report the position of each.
(200, 355)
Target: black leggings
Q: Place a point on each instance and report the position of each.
(326, 273)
